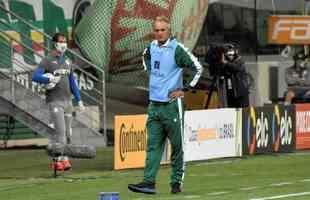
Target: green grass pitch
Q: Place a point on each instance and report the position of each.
(24, 175)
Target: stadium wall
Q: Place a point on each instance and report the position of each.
(208, 134)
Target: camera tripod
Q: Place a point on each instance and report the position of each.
(219, 84)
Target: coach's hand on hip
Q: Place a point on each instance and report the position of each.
(176, 94)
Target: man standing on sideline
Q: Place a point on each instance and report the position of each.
(165, 59)
(56, 73)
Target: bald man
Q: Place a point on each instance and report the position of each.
(165, 59)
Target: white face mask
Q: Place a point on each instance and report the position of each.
(230, 55)
(61, 46)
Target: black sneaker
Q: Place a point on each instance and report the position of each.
(176, 188)
(147, 188)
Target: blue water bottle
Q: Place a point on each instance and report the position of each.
(108, 196)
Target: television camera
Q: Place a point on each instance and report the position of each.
(217, 54)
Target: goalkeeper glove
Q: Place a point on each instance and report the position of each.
(54, 79)
(81, 106)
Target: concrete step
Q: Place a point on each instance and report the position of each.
(33, 111)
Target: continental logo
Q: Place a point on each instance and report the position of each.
(131, 140)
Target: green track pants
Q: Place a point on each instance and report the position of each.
(165, 120)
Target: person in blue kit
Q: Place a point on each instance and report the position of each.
(56, 74)
(165, 59)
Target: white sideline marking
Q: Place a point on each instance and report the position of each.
(236, 174)
(208, 175)
(175, 197)
(305, 180)
(249, 188)
(280, 184)
(283, 196)
(218, 193)
(214, 175)
(214, 163)
(192, 197)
